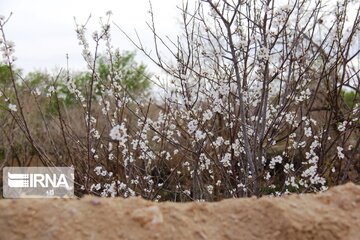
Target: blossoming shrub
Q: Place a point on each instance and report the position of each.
(251, 104)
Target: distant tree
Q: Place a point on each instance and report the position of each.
(134, 76)
(37, 79)
(120, 68)
(350, 98)
(4, 74)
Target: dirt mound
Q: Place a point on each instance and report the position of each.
(331, 215)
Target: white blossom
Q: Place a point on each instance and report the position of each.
(288, 167)
(36, 92)
(98, 170)
(119, 133)
(342, 126)
(267, 176)
(226, 160)
(207, 115)
(199, 135)
(192, 126)
(210, 189)
(340, 152)
(308, 131)
(12, 107)
(51, 89)
(219, 141)
(274, 160)
(187, 192)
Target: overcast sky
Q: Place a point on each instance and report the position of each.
(43, 30)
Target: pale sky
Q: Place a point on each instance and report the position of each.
(44, 30)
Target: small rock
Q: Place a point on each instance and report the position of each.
(148, 216)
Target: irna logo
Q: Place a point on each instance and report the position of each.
(33, 180)
(22, 182)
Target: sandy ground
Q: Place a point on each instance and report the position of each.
(331, 215)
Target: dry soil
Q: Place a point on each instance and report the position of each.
(334, 214)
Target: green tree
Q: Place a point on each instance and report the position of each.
(5, 74)
(350, 97)
(134, 76)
